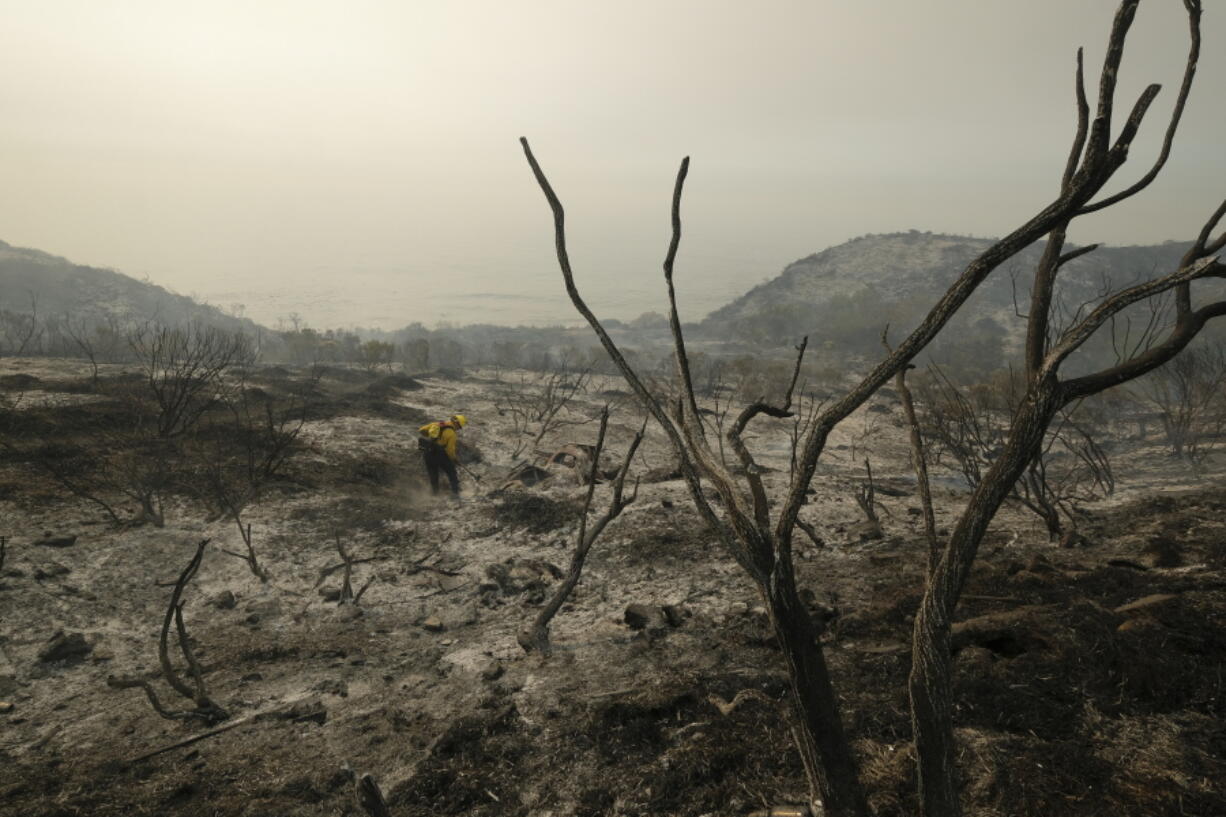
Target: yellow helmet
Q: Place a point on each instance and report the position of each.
(460, 419)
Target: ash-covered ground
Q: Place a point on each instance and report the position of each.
(1089, 679)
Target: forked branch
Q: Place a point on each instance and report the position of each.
(537, 637)
(206, 710)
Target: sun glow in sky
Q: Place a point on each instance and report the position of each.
(248, 151)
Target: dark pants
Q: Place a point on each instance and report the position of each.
(437, 460)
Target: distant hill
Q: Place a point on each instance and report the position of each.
(848, 293)
(59, 287)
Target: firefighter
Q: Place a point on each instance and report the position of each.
(437, 442)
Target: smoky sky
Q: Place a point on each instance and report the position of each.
(370, 147)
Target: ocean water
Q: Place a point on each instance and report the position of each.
(389, 301)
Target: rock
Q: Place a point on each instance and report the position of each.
(64, 647)
(5, 707)
(223, 601)
(433, 624)
(309, 711)
(52, 541)
(51, 571)
(475, 661)
(638, 616)
(1161, 551)
(330, 593)
(1146, 603)
(867, 531)
(674, 614)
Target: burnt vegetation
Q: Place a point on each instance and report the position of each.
(936, 578)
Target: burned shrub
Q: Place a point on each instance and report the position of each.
(534, 513)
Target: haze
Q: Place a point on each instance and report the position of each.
(357, 162)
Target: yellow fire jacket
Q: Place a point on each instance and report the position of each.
(443, 435)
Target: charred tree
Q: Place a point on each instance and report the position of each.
(760, 538)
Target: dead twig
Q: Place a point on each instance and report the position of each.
(187, 741)
(206, 709)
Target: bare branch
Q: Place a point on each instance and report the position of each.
(685, 453)
(1077, 253)
(811, 532)
(168, 671)
(1100, 131)
(674, 319)
(1193, 8)
(537, 636)
(1083, 121)
(1077, 335)
(919, 460)
(205, 709)
(1202, 247)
